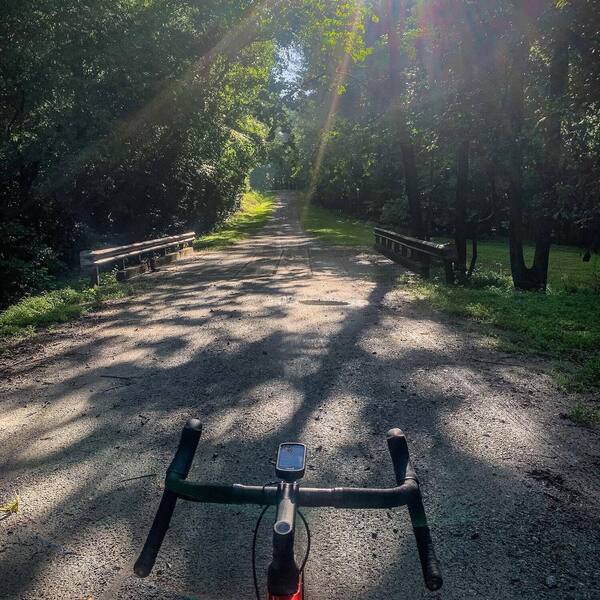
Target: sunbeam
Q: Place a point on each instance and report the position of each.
(339, 79)
(159, 108)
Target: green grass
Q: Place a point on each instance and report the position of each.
(334, 227)
(566, 271)
(58, 306)
(255, 210)
(563, 324)
(76, 298)
(584, 414)
(560, 325)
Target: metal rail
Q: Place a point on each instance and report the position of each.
(414, 253)
(91, 261)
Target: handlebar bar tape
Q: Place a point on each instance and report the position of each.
(182, 461)
(403, 470)
(180, 465)
(429, 562)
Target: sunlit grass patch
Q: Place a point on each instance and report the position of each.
(9, 508)
(255, 210)
(559, 322)
(334, 227)
(563, 324)
(51, 307)
(59, 306)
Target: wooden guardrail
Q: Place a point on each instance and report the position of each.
(414, 253)
(144, 253)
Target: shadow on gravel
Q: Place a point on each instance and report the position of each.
(498, 534)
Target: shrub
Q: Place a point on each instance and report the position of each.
(490, 279)
(50, 307)
(26, 264)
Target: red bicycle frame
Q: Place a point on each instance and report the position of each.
(297, 596)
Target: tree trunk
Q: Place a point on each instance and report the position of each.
(493, 195)
(535, 277)
(411, 178)
(473, 252)
(522, 276)
(460, 209)
(559, 76)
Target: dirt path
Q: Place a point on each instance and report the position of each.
(275, 339)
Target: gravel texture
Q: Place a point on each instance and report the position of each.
(282, 338)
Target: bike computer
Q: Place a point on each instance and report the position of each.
(291, 461)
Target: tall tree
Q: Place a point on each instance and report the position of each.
(395, 15)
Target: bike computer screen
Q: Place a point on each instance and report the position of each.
(291, 461)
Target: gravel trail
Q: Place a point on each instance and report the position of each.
(280, 338)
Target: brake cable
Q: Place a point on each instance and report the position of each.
(307, 551)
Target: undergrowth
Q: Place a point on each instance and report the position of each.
(255, 210)
(562, 324)
(58, 306)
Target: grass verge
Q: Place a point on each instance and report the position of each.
(563, 324)
(255, 210)
(58, 306)
(335, 227)
(77, 297)
(586, 415)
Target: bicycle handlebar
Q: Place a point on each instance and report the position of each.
(179, 467)
(403, 470)
(406, 493)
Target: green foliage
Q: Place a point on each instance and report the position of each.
(26, 263)
(124, 121)
(586, 415)
(563, 325)
(335, 228)
(59, 306)
(255, 210)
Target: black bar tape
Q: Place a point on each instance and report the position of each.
(145, 562)
(181, 467)
(403, 470)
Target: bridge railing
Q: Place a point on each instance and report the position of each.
(415, 254)
(144, 254)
